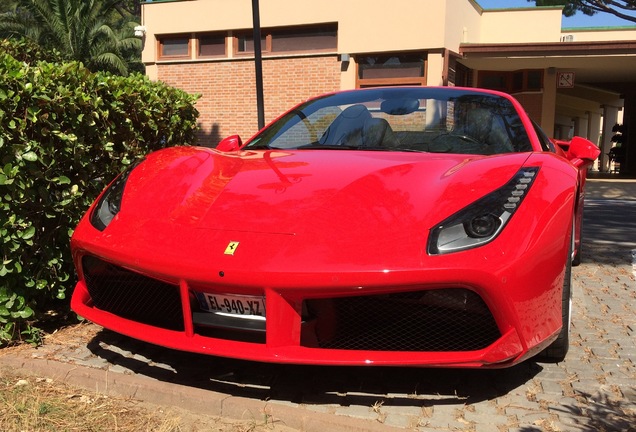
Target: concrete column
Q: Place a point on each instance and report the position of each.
(348, 70)
(435, 69)
(580, 126)
(594, 131)
(594, 127)
(610, 118)
(548, 101)
(152, 72)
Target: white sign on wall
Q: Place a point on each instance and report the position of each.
(565, 79)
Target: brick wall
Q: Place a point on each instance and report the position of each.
(228, 92)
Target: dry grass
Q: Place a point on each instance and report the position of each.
(40, 404)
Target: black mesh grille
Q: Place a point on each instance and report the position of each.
(132, 296)
(437, 320)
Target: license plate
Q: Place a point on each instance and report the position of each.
(233, 304)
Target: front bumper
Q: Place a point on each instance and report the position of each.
(408, 325)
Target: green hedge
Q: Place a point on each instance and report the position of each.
(64, 134)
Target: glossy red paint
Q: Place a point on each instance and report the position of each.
(322, 224)
(581, 153)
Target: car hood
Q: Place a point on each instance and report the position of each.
(287, 191)
(315, 207)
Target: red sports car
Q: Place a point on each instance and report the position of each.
(389, 226)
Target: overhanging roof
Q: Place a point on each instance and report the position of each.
(607, 63)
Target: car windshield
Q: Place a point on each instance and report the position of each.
(439, 120)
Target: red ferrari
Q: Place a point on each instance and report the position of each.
(389, 226)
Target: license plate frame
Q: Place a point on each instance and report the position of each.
(236, 305)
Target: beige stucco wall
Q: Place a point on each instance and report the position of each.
(367, 26)
(462, 23)
(601, 34)
(435, 69)
(520, 25)
(400, 25)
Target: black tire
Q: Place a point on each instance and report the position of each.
(557, 350)
(577, 252)
(577, 256)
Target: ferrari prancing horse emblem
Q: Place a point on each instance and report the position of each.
(231, 248)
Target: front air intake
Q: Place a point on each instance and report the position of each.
(131, 295)
(431, 320)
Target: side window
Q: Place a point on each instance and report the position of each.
(546, 144)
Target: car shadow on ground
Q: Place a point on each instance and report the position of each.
(362, 386)
(320, 385)
(329, 385)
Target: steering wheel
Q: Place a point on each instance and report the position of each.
(460, 136)
(466, 138)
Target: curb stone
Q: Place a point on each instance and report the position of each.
(192, 399)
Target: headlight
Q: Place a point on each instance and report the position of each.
(110, 203)
(483, 220)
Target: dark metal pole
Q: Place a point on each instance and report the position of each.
(258, 64)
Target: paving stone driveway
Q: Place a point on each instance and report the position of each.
(593, 390)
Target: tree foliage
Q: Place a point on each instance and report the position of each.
(7, 5)
(64, 133)
(621, 8)
(98, 33)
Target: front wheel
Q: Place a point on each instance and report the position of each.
(557, 350)
(576, 260)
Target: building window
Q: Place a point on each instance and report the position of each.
(463, 76)
(306, 39)
(386, 70)
(494, 80)
(534, 80)
(244, 44)
(211, 45)
(171, 47)
(313, 39)
(512, 82)
(517, 81)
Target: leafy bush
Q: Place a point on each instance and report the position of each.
(28, 51)
(64, 134)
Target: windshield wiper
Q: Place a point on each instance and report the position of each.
(362, 148)
(259, 147)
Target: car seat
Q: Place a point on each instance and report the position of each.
(377, 132)
(347, 128)
(355, 127)
(486, 128)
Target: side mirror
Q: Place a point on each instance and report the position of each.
(582, 152)
(230, 144)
